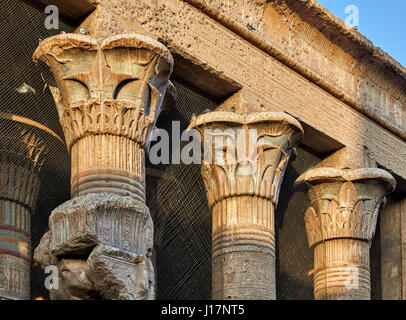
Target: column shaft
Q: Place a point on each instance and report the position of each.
(341, 270)
(21, 157)
(243, 241)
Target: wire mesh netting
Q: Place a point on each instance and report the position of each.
(178, 204)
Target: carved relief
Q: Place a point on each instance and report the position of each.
(340, 223)
(14, 278)
(268, 84)
(243, 195)
(294, 27)
(108, 93)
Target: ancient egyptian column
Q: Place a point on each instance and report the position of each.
(340, 224)
(245, 158)
(109, 94)
(22, 154)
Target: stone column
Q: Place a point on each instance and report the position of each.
(243, 193)
(340, 223)
(109, 94)
(22, 154)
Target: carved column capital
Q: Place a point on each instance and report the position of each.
(109, 95)
(275, 136)
(339, 223)
(345, 203)
(243, 167)
(23, 152)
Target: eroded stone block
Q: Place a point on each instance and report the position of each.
(101, 244)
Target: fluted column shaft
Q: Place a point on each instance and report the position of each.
(340, 223)
(109, 94)
(243, 193)
(243, 240)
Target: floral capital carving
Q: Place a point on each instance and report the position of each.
(108, 94)
(345, 203)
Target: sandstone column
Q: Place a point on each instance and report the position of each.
(243, 193)
(109, 94)
(22, 154)
(340, 223)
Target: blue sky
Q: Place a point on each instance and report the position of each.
(382, 22)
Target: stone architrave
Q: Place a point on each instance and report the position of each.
(340, 224)
(109, 94)
(245, 158)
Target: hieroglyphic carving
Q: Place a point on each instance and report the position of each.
(14, 278)
(247, 13)
(340, 223)
(109, 94)
(308, 33)
(111, 237)
(243, 195)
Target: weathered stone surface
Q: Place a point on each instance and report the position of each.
(42, 254)
(107, 218)
(109, 93)
(103, 102)
(104, 243)
(340, 223)
(120, 275)
(22, 152)
(73, 283)
(243, 193)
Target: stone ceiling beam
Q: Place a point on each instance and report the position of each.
(71, 9)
